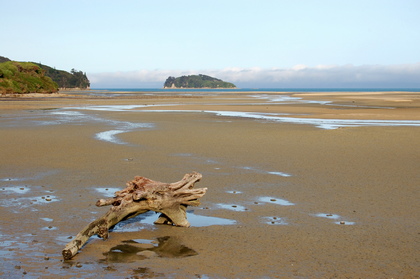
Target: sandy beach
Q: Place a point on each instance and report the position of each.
(300, 185)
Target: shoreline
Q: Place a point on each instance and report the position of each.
(284, 199)
(322, 105)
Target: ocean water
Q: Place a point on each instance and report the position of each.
(114, 92)
(155, 90)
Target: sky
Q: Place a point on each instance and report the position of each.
(252, 43)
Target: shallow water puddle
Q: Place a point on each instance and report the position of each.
(28, 201)
(146, 220)
(278, 173)
(234, 192)
(49, 228)
(134, 250)
(345, 223)
(122, 127)
(275, 220)
(327, 215)
(319, 123)
(327, 124)
(204, 221)
(16, 189)
(287, 99)
(111, 107)
(11, 179)
(68, 115)
(275, 200)
(108, 192)
(233, 207)
(110, 136)
(334, 217)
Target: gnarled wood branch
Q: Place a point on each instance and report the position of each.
(142, 195)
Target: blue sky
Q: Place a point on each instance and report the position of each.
(264, 43)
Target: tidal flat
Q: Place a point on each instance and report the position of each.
(300, 185)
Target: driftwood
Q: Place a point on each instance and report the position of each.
(142, 195)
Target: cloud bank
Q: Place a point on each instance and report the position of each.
(299, 76)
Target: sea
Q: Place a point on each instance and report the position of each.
(260, 90)
(109, 92)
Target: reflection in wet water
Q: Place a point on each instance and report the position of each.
(132, 250)
(145, 272)
(146, 220)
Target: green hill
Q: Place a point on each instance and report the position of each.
(24, 77)
(18, 77)
(196, 81)
(74, 79)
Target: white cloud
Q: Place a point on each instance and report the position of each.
(322, 76)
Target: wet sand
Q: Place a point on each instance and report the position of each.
(285, 199)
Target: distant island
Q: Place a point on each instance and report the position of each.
(196, 81)
(31, 77)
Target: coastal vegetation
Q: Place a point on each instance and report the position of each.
(24, 77)
(31, 77)
(74, 79)
(196, 81)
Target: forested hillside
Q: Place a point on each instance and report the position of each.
(196, 81)
(15, 75)
(24, 77)
(74, 79)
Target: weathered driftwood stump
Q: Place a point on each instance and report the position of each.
(142, 195)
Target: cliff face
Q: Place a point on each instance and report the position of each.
(4, 59)
(24, 77)
(196, 81)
